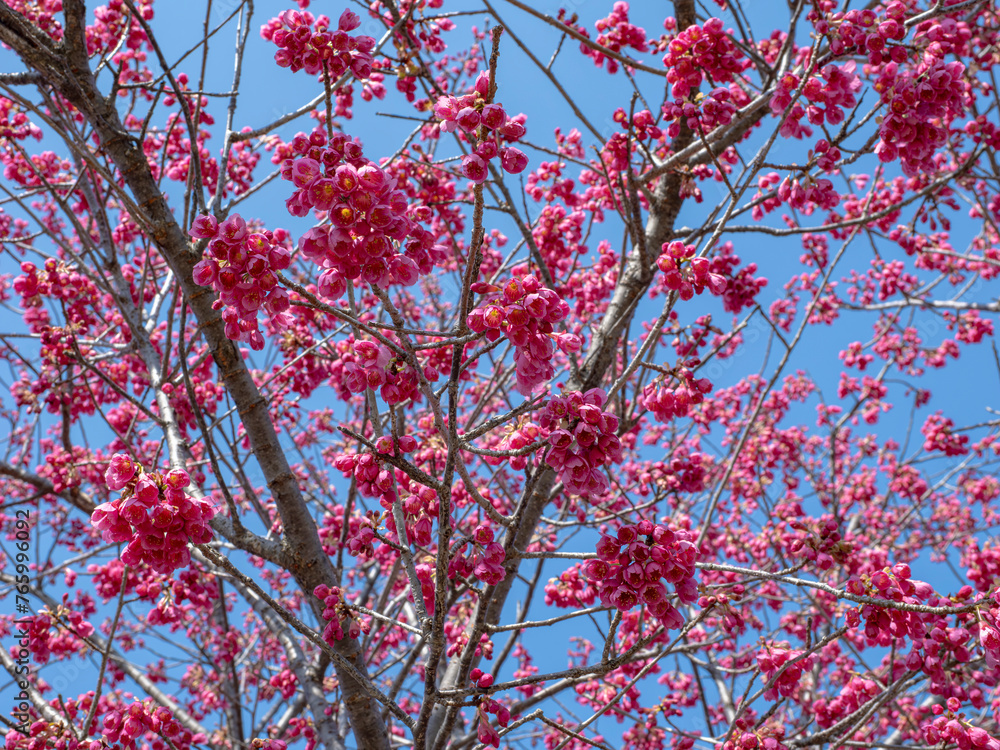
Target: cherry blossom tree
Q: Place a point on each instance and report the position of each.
(669, 427)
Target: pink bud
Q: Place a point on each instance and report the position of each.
(349, 21)
(512, 130)
(493, 116)
(474, 168)
(483, 83)
(468, 119)
(513, 160)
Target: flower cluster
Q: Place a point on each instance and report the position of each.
(242, 266)
(572, 589)
(631, 567)
(360, 534)
(14, 124)
(484, 561)
(701, 51)
(723, 605)
(939, 435)
(524, 312)
(860, 31)
(686, 274)
(520, 437)
(989, 639)
(615, 33)
(368, 216)
(804, 194)
(258, 743)
(711, 111)
(336, 613)
(360, 543)
(921, 104)
(458, 638)
(307, 43)
(641, 124)
(951, 728)
(828, 94)
(419, 511)
(372, 365)
(750, 740)
(774, 660)
(826, 155)
(583, 438)
(482, 680)
(486, 706)
(57, 633)
(885, 624)
(138, 719)
(485, 731)
(668, 403)
(374, 480)
(154, 515)
(486, 126)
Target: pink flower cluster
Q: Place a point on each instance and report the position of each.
(939, 435)
(642, 124)
(486, 127)
(715, 109)
(307, 43)
(258, 743)
(154, 515)
(953, 729)
(817, 540)
(360, 543)
(372, 365)
(484, 561)
(805, 194)
(921, 104)
(485, 731)
(725, 610)
(127, 726)
(859, 31)
(520, 437)
(242, 266)
(47, 639)
(335, 614)
(368, 216)
(524, 312)
(668, 403)
(374, 479)
(686, 274)
(989, 639)
(826, 155)
(616, 33)
(14, 124)
(360, 536)
(631, 567)
(828, 94)
(701, 51)
(751, 740)
(988, 626)
(773, 660)
(419, 511)
(583, 438)
(883, 625)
